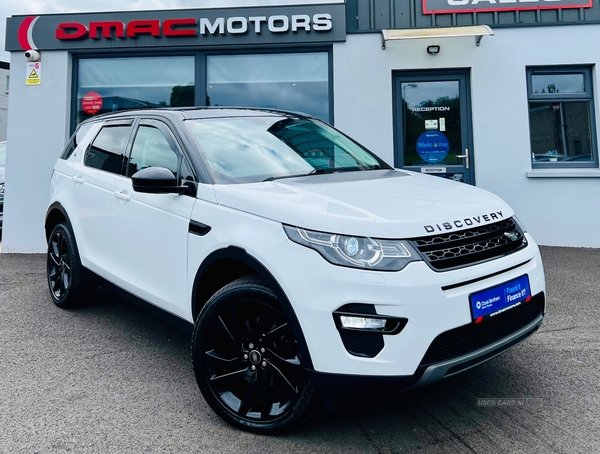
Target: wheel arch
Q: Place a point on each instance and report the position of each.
(226, 265)
(54, 216)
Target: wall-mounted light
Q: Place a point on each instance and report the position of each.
(432, 50)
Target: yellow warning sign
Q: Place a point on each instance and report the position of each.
(34, 73)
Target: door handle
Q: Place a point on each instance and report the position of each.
(466, 156)
(78, 179)
(122, 195)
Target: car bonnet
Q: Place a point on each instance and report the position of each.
(379, 204)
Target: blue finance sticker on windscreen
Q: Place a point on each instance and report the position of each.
(500, 298)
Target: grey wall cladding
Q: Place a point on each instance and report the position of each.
(374, 15)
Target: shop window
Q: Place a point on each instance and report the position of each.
(290, 81)
(561, 117)
(113, 84)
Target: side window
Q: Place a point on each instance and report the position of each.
(561, 117)
(75, 140)
(151, 149)
(108, 148)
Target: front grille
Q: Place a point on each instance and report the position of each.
(467, 247)
(474, 336)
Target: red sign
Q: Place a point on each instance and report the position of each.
(91, 103)
(480, 6)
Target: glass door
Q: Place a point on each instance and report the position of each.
(433, 124)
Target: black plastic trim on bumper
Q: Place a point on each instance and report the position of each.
(340, 384)
(437, 372)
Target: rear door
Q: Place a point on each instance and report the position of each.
(92, 191)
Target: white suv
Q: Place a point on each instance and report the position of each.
(307, 266)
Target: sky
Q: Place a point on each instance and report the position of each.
(34, 7)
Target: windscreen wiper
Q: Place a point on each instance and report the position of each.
(313, 172)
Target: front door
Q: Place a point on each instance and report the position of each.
(433, 123)
(150, 231)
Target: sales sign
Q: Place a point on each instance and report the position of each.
(474, 6)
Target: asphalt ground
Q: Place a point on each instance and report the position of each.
(111, 378)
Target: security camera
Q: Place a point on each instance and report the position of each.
(32, 55)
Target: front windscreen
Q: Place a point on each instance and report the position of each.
(252, 149)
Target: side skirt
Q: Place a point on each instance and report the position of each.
(183, 325)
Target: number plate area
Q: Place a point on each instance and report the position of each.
(501, 298)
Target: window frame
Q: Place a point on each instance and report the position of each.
(588, 97)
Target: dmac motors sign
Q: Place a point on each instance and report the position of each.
(302, 24)
(192, 26)
(470, 6)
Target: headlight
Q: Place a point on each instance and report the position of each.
(1, 189)
(355, 252)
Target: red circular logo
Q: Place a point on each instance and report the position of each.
(91, 103)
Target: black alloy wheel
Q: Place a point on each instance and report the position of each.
(68, 285)
(246, 360)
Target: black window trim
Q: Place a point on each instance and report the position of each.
(587, 71)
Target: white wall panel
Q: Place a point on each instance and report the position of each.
(38, 128)
(557, 211)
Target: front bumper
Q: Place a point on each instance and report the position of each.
(339, 385)
(433, 302)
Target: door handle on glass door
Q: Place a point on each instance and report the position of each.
(466, 156)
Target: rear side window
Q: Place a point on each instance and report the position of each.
(75, 140)
(108, 149)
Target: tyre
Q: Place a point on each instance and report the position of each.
(69, 287)
(246, 360)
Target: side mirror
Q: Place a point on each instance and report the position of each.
(157, 180)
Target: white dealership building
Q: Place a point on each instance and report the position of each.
(502, 95)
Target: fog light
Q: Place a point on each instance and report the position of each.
(362, 323)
